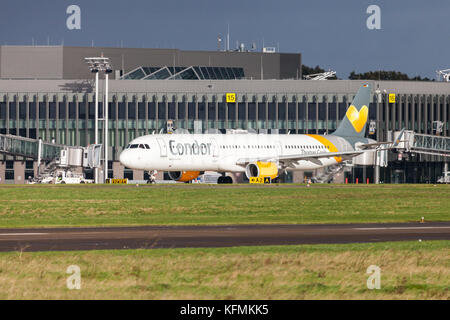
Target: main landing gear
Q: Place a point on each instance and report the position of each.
(224, 179)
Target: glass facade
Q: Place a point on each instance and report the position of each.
(185, 73)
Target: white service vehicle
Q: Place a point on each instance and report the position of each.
(445, 178)
(61, 177)
(69, 177)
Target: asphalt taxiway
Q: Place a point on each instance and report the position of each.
(148, 237)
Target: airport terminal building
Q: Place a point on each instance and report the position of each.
(49, 92)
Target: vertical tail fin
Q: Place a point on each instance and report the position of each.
(355, 120)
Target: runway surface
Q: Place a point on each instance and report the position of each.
(47, 239)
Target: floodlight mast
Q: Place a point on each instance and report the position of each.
(106, 115)
(97, 64)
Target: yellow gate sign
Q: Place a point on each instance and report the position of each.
(391, 97)
(231, 97)
(117, 181)
(260, 180)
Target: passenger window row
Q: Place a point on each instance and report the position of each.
(307, 147)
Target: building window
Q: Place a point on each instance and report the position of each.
(231, 111)
(291, 111)
(62, 110)
(191, 110)
(111, 111)
(312, 111)
(221, 111)
(9, 174)
(161, 110)
(252, 111)
(3, 110)
(272, 111)
(72, 110)
(241, 111)
(181, 110)
(322, 111)
(42, 114)
(131, 110)
(211, 111)
(201, 111)
(282, 111)
(22, 110)
(52, 110)
(128, 174)
(141, 110)
(82, 110)
(12, 110)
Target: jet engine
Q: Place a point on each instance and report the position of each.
(183, 176)
(261, 169)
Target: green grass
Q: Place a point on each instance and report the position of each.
(409, 270)
(37, 206)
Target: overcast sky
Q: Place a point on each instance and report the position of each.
(414, 37)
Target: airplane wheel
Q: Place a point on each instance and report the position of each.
(225, 179)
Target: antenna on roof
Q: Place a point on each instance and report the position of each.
(219, 42)
(228, 36)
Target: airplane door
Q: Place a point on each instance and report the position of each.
(279, 148)
(215, 148)
(162, 147)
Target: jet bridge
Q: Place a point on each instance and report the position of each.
(413, 142)
(62, 156)
(29, 148)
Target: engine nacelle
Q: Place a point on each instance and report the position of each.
(261, 169)
(183, 176)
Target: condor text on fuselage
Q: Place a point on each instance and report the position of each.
(196, 148)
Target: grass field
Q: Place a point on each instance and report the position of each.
(409, 270)
(33, 205)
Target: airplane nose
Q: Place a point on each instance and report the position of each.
(125, 158)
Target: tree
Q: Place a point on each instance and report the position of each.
(384, 75)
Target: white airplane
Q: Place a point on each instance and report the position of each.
(186, 156)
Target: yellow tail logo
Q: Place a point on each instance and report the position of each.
(357, 119)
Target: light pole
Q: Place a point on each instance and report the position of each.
(377, 154)
(97, 64)
(106, 115)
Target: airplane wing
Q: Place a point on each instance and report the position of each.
(369, 146)
(289, 160)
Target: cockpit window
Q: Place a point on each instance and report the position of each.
(140, 146)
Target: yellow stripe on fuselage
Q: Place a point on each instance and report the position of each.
(327, 143)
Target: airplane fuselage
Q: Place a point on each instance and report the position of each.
(223, 152)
